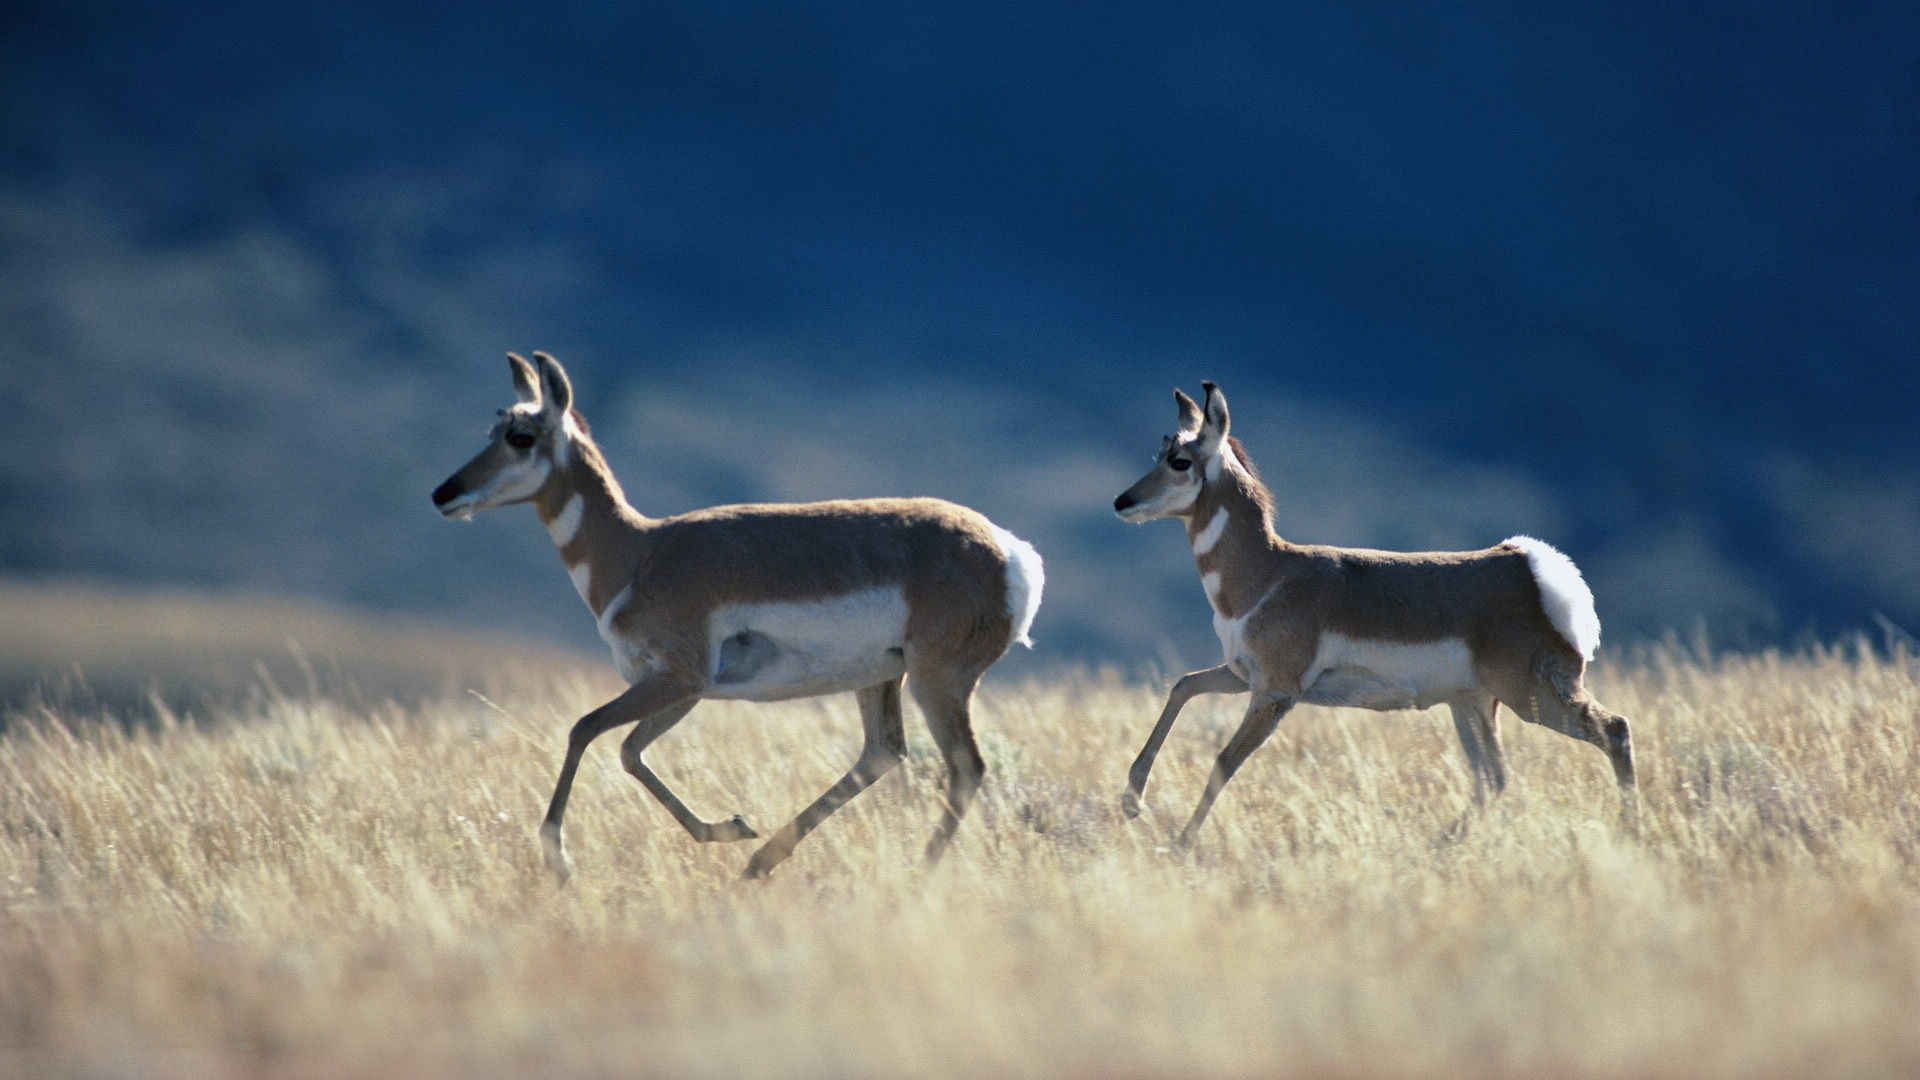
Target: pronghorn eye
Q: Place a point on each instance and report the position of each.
(520, 440)
(1179, 464)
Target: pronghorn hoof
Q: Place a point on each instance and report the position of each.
(1130, 803)
(555, 851)
(560, 864)
(734, 828)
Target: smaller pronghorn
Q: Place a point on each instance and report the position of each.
(1372, 629)
(760, 602)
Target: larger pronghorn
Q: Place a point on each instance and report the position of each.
(1512, 623)
(760, 602)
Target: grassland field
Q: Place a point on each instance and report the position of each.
(326, 865)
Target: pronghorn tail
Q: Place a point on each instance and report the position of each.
(1563, 593)
(1026, 577)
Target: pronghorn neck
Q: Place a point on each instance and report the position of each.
(1231, 530)
(591, 523)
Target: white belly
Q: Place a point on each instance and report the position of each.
(769, 652)
(1386, 674)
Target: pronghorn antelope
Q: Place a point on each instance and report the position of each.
(760, 602)
(1513, 623)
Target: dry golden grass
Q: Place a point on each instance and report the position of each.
(300, 887)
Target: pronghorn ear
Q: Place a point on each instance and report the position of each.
(1214, 431)
(1190, 417)
(525, 382)
(559, 390)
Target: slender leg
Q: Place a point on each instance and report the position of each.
(1619, 743)
(950, 719)
(639, 700)
(1476, 721)
(1219, 680)
(1560, 701)
(1263, 715)
(644, 733)
(886, 744)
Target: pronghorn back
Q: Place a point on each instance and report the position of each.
(800, 599)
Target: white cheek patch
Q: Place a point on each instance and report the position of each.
(516, 483)
(1164, 503)
(566, 524)
(1205, 540)
(773, 651)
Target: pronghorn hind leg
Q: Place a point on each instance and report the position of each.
(643, 735)
(1476, 721)
(646, 699)
(947, 707)
(1562, 703)
(1263, 715)
(1217, 680)
(886, 744)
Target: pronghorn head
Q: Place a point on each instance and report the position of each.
(524, 447)
(1185, 464)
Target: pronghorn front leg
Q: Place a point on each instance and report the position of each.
(642, 736)
(645, 699)
(1219, 680)
(1263, 715)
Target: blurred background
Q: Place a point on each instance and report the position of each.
(1639, 279)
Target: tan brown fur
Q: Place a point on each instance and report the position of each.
(654, 585)
(1280, 600)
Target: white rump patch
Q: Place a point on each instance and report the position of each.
(1026, 578)
(1372, 674)
(774, 651)
(566, 524)
(1563, 593)
(1206, 538)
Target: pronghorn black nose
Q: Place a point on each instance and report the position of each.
(1121, 502)
(445, 492)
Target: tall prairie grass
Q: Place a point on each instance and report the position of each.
(309, 883)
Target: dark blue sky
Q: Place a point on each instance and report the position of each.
(1660, 261)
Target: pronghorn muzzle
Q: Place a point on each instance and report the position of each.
(454, 499)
